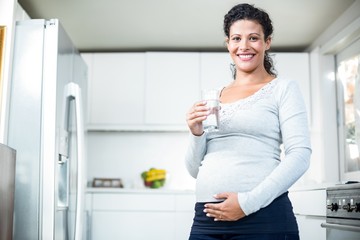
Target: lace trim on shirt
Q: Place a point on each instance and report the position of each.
(228, 109)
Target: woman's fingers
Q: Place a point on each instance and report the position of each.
(199, 109)
(195, 116)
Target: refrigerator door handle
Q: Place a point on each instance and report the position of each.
(73, 92)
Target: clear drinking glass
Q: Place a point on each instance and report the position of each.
(211, 96)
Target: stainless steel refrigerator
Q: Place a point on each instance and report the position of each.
(46, 127)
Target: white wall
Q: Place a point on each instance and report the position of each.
(7, 10)
(10, 11)
(324, 165)
(126, 155)
(325, 157)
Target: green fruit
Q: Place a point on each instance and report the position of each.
(156, 184)
(143, 174)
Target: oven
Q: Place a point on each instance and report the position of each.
(343, 212)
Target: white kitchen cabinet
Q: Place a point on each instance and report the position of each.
(116, 90)
(184, 214)
(215, 71)
(295, 66)
(154, 90)
(141, 214)
(88, 58)
(171, 87)
(114, 225)
(309, 227)
(310, 210)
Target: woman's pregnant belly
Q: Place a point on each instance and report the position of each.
(227, 172)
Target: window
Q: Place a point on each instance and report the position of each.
(348, 91)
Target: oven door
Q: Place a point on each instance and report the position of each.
(343, 232)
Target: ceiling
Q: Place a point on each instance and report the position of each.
(147, 25)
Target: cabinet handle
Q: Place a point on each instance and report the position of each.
(341, 227)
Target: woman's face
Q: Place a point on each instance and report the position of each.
(247, 46)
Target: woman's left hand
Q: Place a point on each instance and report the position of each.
(228, 210)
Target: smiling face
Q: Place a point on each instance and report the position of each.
(247, 46)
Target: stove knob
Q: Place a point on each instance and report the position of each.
(333, 207)
(353, 207)
(348, 207)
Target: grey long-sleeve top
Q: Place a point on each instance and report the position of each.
(244, 155)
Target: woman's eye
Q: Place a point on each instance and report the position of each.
(236, 39)
(253, 38)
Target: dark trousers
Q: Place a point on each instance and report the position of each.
(274, 222)
(275, 236)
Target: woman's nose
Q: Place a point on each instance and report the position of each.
(243, 44)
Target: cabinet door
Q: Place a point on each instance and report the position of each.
(88, 58)
(215, 71)
(310, 212)
(133, 216)
(172, 86)
(183, 223)
(295, 66)
(310, 227)
(184, 215)
(309, 202)
(116, 90)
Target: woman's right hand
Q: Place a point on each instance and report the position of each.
(195, 116)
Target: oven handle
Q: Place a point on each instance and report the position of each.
(341, 227)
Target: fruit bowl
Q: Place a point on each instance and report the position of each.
(154, 178)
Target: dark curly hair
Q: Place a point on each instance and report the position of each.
(249, 12)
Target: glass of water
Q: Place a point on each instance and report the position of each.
(211, 96)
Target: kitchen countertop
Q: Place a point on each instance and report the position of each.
(312, 187)
(307, 187)
(139, 190)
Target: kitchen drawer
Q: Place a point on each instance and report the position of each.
(310, 202)
(133, 225)
(134, 202)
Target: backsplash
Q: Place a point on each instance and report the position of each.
(126, 155)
